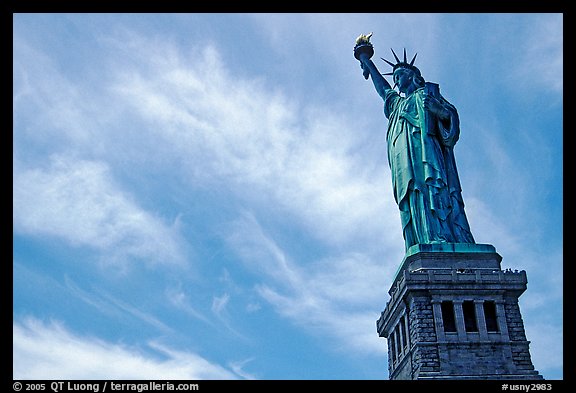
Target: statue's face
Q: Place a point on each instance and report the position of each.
(403, 78)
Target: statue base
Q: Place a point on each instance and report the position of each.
(454, 314)
(448, 256)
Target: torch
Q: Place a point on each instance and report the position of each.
(364, 47)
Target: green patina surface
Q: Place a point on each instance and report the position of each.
(423, 128)
(445, 248)
(451, 248)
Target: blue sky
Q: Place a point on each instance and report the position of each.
(207, 196)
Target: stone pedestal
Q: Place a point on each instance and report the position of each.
(454, 314)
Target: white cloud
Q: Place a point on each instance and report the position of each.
(219, 309)
(219, 304)
(338, 298)
(352, 330)
(306, 159)
(489, 228)
(238, 368)
(543, 54)
(77, 201)
(353, 279)
(195, 120)
(190, 118)
(50, 351)
(180, 299)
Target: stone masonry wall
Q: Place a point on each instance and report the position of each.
(425, 357)
(514, 321)
(520, 348)
(473, 358)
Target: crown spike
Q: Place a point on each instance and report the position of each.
(414, 58)
(396, 57)
(389, 62)
(388, 73)
(405, 61)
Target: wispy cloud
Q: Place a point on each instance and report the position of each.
(193, 121)
(220, 310)
(219, 304)
(238, 368)
(543, 57)
(77, 201)
(306, 159)
(177, 297)
(489, 228)
(108, 304)
(338, 297)
(50, 351)
(197, 123)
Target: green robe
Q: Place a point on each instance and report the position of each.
(424, 176)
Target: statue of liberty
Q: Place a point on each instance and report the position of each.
(423, 128)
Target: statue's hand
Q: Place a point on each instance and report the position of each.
(366, 72)
(434, 105)
(363, 59)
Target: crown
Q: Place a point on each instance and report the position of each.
(402, 64)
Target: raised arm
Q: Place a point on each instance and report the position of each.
(370, 69)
